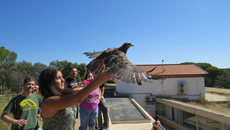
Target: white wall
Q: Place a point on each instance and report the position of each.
(167, 87)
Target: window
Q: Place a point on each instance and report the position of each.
(172, 113)
(226, 127)
(161, 109)
(188, 120)
(208, 124)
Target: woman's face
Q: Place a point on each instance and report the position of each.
(90, 76)
(59, 82)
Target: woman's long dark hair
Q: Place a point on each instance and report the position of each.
(45, 79)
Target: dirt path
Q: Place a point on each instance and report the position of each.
(220, 91)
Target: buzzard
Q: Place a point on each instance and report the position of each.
(117, 65)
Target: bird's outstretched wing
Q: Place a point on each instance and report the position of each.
(127, 72)
(117, 65)
(97, 63)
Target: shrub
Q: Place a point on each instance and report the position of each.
(202, 100)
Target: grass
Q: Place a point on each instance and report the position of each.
(4, 101)
(222, 108)
(215, 107)
(219, 91)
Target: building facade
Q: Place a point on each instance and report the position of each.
(178, 81)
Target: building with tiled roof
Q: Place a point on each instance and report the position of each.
(171, 81)
(174, 70)
(159, 98)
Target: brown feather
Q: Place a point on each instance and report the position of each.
(117, 65)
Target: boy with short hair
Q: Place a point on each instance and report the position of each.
(24, 107)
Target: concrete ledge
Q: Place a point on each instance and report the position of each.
(143, 110)
(125, 110)
(133, 124)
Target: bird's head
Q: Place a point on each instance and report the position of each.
(128, 44)
(125, 46)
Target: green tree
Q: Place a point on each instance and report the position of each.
(187, 63)
(82, 70)
(12, 74)
(225, 70)
(11, 57)
(8, 70)
(222, 81)
(213, 72)
(17, 75)
(25, 68)
(37, 69)
(22, 70)
(3, 54)
(14, 80)
(203, 66)
(64, 66)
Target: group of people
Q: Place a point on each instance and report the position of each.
(59, 107)
(89, 106)
(60, 104)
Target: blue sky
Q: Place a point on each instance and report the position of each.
(171, 30)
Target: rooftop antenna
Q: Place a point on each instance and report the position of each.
(162, 77)
(162, 73)
(162, 64)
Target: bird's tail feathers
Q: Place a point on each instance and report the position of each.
(92, 54)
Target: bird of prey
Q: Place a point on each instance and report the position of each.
(117, 65)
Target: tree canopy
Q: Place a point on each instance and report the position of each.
(3, 54)
(65, 66)
(215, 75)
(13, 73)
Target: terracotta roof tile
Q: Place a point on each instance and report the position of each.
(174, 69)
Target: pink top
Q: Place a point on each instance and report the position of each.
(87, 81)
(91, 102)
